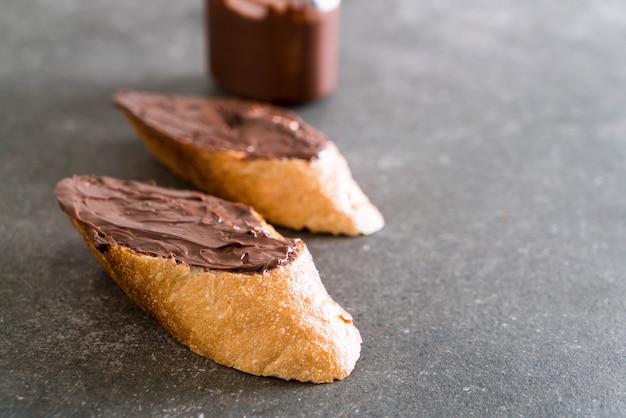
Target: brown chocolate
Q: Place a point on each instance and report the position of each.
(190, 227)
(281, 51)
(258, 130)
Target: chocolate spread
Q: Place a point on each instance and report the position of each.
(258, 130)
(274, 50)
(190, 227)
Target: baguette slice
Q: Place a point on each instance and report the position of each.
(257, 154)
(261, 308)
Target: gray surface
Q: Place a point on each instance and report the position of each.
(492, 134)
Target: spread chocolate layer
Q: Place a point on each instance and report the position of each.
(258, 130)
(274, 50)
(190, 227)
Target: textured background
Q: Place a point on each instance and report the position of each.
(491, 134)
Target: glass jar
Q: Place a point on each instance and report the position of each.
(281, 51)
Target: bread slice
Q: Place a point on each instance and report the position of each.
(265, 318)
(257, 154)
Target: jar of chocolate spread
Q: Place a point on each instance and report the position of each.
(281, 51)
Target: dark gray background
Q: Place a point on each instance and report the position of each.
(491, 134)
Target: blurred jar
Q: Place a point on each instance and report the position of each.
(281, 51)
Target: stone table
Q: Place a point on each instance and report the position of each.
(491, 134)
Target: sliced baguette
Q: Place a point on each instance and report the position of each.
(279, 322)
(318, 193)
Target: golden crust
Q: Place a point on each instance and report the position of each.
(279, 323)
(318, 195)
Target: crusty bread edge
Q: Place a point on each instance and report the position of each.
(303, 333)
(319, 195)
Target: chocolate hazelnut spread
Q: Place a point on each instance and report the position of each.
(274, 50)
(190, 227)
(258, 130)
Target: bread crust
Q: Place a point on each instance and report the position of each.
(278, 323)
(319, 195)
